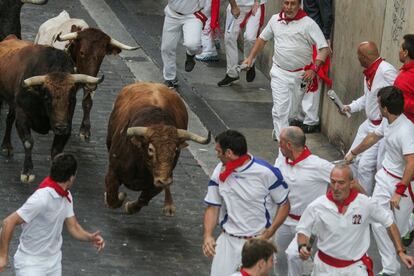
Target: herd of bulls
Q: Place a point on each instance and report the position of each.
(39, 82)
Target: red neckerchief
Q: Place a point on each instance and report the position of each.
(352, 195)
(301, 14)
(232, 165)
(302, 156)
(244, 272)
(370, 72)
(49, 182)
(407, 66)
(215, 18)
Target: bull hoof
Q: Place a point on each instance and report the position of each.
(7, 152)
(131, 207)
(121, 199)
(27, 178)
(84, 136)
(169, 210)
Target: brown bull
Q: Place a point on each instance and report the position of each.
(38, 84)
(146, 131)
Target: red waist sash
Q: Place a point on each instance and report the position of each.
(329, 260)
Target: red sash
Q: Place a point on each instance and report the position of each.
(329, 260)
(261, 22)
(49, 182)
(215, 18)
(202, 17)
(232, 165)
(295, 217)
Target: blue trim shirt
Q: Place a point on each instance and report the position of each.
(247, 197)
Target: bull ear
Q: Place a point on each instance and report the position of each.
(135, 141)
(112, 50)
(182, 145)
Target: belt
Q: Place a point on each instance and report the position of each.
(295, 217)
(239, 237)
(410, 190)
(329, 260)
(376, 122)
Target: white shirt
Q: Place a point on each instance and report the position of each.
(399, 141)
(247, 197)
(44, 213)
(248, 2)
(307, 180)
(186, 6)
(343, 236)
(384, 76)
(293, 41)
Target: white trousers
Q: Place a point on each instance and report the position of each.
(228, 255)
(383, 191)
(284, 236)
(287, 97)
(310, 106)
(365, 165)
(176, 26)
(232, 32)
(26, 265)
(207, 41)
(322, 269)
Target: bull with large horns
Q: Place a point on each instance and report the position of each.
(39, 84)
(146, 131)
(87, 47)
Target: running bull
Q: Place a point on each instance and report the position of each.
(146, 131)
(87, 47)
(39, 85)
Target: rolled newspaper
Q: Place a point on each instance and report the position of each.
(241, 67)
(337, 101)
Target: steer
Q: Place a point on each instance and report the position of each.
(39, 85)
(10, 16)
(87, 47)
(146, 131)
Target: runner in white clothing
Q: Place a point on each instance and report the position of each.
(294, 33)
(340, 220)
(307, 176)
(393, 187)
(183, 18)
(378, 73)
(246, 190)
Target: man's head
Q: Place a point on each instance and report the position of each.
(341, 180)
(63, 168)
(257, 255)
(291, 7)
(406, 52)
(390, 101)
(292, 140)
(367, 53)
(230, 145)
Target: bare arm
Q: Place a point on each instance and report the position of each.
(258, 46)
(210, 221)
(394, 234)
(369, 140)
(323, 53)
(235, 10)
(406, 179)
(6, 233)
(76, 231)
(280, 216)
(304, 253)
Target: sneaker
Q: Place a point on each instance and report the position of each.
(189, 63)
(227, 81)
(383, 274)
(311, 128)
(408, 239)
(296, 122)
(251, 74)
(207, 58)
(172, 84)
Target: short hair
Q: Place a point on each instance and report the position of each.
(295, 136)
(343, 166)
(408, 44)
(392, 98)
(234, 140)
(255, 250)
(63, 167)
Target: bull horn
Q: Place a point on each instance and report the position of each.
(182, 133)
(68, 36)
(82, 78)
(36, 2)
(140, 131)
(120, 45)
(36, 80)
